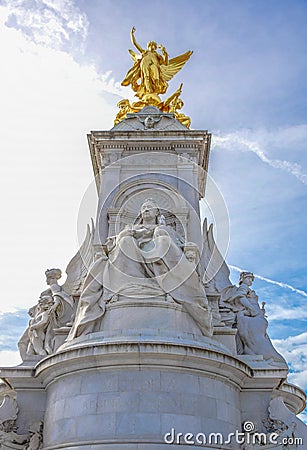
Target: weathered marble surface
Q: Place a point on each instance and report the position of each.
(148, 362)
(240, 309)
(146, 259)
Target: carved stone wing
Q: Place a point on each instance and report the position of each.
(77, 268)
(174, 65)
(215, 265)
(8, 408)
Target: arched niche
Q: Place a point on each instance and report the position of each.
(127, 201)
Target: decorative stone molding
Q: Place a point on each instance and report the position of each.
(107, 147)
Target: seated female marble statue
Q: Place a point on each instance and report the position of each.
(145, 260)
(249, 319)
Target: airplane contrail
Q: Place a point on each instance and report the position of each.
(277, 283)
(229, 140)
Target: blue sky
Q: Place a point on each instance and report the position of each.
(62, 64)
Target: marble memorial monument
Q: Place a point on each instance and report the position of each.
(147, 345)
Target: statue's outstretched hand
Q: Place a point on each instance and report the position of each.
(253, 312)
(126, 232)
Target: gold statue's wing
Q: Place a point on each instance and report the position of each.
(174, 65)
(135, 56)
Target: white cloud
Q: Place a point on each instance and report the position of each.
(299, 379)
(48, 22)
(278, 312)
(9, 358)
(295, 340)
(294, 349)
(303, 416)
(48, 104)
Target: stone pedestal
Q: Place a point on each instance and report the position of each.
(147, 378)
(129, 393)
(149, 375)
(126, 394)
(156, 319)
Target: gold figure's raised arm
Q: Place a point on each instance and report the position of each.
(133, 40)
(164, 52)
(151, 71)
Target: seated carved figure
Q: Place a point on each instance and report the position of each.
(249, 319)
(51, 318)
(53, 311)
(144, 260)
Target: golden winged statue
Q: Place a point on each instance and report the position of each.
(151, 71)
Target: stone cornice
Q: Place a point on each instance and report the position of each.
(107, 355)
(293, 396)
(107, 147)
